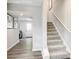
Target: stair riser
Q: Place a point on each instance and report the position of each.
(49, 23)
(51, 27)
(52, 34)
(57, 49)
(54, 43)
(54, 37)
(60, 57)
(51, 30)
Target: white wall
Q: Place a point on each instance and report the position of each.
(37, 31)
(44, 22)
(12, 38)
(62, 10)
(45, 52)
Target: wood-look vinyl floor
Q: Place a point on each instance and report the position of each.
(23, 50)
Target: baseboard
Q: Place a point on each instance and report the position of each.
(61, 29)
(13, 45)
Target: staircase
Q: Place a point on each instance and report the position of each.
(56, 48)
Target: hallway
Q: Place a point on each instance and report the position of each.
(23, 50)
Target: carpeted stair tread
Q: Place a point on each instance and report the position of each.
(57, 49)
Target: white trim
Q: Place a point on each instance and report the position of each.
(36, 49)
(62, 23)
(13, 45)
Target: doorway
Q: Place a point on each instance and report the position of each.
(25, 26)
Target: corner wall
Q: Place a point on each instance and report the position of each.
(37, 30)
(45, 8)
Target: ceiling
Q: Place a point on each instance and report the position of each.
(27, 2)
(23, 7)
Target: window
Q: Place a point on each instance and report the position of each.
(29, 26)
(9, 22)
